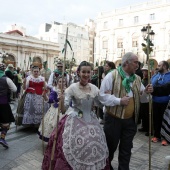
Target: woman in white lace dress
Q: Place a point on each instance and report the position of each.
(50, 118)
(81, 143)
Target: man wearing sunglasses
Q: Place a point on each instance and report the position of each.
(57, 72)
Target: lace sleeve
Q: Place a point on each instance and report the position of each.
(96, 98)
(97, 102)
(68, 97)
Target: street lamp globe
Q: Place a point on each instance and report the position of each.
(152, 34)
(143, 30)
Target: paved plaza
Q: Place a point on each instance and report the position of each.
(25, 151)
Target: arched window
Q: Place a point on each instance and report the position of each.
(105, 43)
(135, 40)
(10, 59)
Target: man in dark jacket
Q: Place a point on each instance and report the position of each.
(6, 116)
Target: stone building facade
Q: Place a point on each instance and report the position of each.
(20, 48)
(80, 37)
(119, 31)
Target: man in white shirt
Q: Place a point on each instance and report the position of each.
(122, 107)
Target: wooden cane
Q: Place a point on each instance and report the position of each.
(43, 114)
(98, 85)
(150, 104)
(59, 107)
(16, 126)
(43, 127)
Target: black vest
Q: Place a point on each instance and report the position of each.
(3, 86)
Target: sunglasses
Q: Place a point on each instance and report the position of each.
(59, 66)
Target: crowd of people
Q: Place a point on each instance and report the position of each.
(67, 109)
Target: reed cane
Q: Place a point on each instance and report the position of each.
(59, 107)
(150, 105)
(43, 148)
(98, 85)
(55, 137)
(43, 126)
(21, 93)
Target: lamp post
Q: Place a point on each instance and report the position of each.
(148, 36)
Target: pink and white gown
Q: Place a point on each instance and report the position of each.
(81, 142)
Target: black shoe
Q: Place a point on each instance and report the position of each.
(142, 130)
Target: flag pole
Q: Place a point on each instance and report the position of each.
(59, 107)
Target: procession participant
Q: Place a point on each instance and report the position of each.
(9, 71)
(6, 116)
(50, 118)
(144, 105)
(34, 86)
(94, 78)
(122, 107)
(19, 75)
(140, 74)
(56, 73)
(159, 102)
(75, 78)
(139, 70)
(81, 142)
(45, 71)
(29, 72)
(164, 90)
(108, 67)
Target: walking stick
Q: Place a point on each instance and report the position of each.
(59, 107)
(98, 85)
(43, 126)
(21, 93)
(43, 117)
(150, 103)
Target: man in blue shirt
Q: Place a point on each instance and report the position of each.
(159, 102)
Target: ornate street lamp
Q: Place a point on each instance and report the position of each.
(148, 36)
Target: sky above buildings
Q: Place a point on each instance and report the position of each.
(31, 13)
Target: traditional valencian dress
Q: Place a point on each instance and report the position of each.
(50, 118)
(165, 129)
(33, 106)
(81, 142)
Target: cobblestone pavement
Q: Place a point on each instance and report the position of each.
(25, 152)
